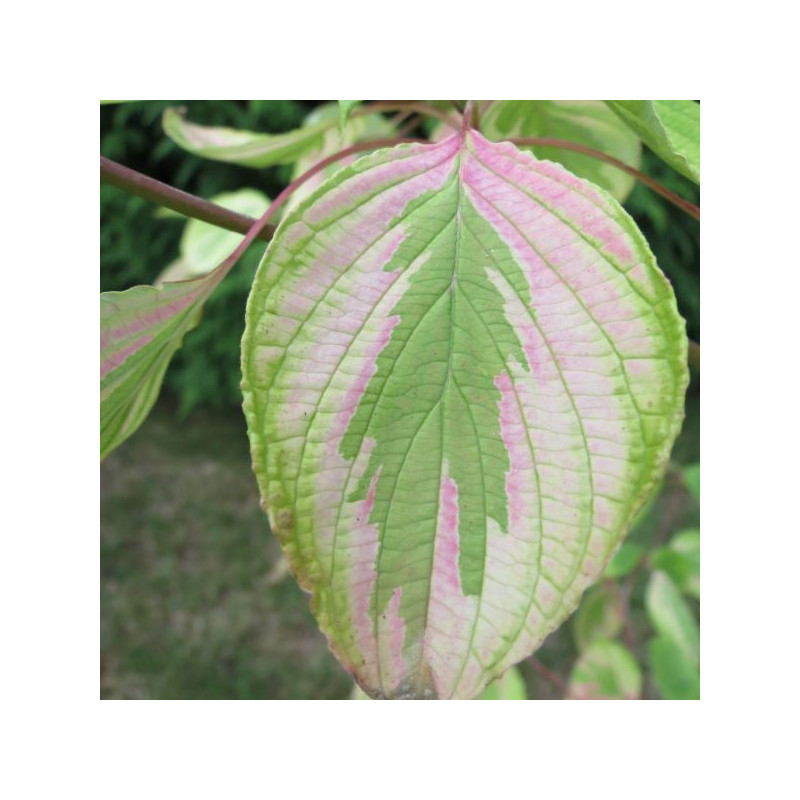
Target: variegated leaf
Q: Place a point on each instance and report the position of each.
(140, 330)
(462, 374)
(248, 148)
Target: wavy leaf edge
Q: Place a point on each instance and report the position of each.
(369, 634)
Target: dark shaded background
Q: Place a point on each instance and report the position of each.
(195, 601)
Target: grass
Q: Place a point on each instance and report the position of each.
(194, 602)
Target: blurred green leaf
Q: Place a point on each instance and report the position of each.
(680, 559)
(510, 686)
(674, 564)
(241, 147)
(675, 675)
(670, 128)
(671, 616)
(345, 107)
(598, 616)
(605, 671)
(687, 545)
(625, 560)
(691, 477)
(587, 122)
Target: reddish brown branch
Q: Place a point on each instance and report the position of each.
(135, 183)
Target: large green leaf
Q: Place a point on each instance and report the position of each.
(242, 147)
(670, 128)
(463, 373)
(140, 330)
(605, 671)
(587, 122)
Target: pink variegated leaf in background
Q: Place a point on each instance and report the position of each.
(140, 330)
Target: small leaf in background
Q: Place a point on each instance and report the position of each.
(691, 477)
(247, 148)
(687, 545)
(672, 617)
(345, 107)
(680, 559)
(599, 615)
(510, 686)
(605, 671)
(587, 122)
(673, 564)
(140, 330)
(625, 560)
(676, 677)
(670, 128)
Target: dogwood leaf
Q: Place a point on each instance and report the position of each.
(586, 122)
(463, 373)
(140, 330)
(670, 128)
(248, 148)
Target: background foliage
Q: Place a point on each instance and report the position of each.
(195, 600)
